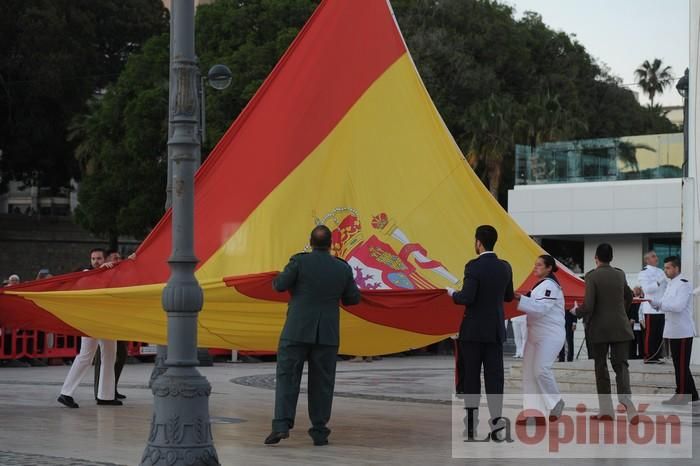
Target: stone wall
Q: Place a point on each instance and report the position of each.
(31, 243)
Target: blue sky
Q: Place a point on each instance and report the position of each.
(622, 33)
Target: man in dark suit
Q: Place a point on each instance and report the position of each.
(488, 282)
(636, 345)
(604, 307)
(317, 282)
(567, 351)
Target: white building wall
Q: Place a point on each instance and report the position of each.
(598, 208)
(627, 253)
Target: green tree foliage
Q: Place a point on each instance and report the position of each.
(549, 88)
(54, 54)
(122, 140)
(121, 147)
(496, 81)
(653, 78)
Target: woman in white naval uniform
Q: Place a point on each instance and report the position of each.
(544, 308)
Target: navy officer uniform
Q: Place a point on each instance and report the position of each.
(677, 304)
(317, 282)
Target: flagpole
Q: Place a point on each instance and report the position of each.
(180, 431)
(690, 243)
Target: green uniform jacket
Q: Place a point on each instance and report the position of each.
(317, 282)
(604, 308)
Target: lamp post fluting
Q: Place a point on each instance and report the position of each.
(180, 431)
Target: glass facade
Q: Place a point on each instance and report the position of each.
(665, 247)
(608, 159)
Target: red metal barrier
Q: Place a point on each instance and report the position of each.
(37, 344)
(60, 346)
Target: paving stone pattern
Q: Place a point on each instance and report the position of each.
(10, 458)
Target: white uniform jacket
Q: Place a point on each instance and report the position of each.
(653, 282)
(544, 308)
(677, 304)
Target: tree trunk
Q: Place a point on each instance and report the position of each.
(113, 241)
(494, 174)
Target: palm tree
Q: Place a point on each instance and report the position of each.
(492, 138)
(546, 120)
(653, 78)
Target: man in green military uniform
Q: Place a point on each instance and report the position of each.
(317, 282)
(604, 310)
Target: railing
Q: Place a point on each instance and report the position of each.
(38, 344)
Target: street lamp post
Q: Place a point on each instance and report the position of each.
(219, 77)
(682, 88)
(180, 431)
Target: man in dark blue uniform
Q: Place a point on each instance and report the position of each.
(488, 282)
(317, 282)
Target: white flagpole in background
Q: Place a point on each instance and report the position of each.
(691, 201)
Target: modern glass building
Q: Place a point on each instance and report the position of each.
(573, 195)
(647, 157)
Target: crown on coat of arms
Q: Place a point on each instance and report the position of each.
(346, 229)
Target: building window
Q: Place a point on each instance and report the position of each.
(665, 247)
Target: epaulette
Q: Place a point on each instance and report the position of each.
(299, 254)
(684, 280)
(619, 269)
(341, 259)
(644, 268)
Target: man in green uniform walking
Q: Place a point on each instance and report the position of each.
(317, 282)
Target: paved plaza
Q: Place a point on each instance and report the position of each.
(393, 411)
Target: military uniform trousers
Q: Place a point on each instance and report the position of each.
(619, 352)
(681, 348)
(122, 353)
(291, 356)
(83, 361)
(654, 336)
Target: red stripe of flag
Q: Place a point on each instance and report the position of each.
(325, 71)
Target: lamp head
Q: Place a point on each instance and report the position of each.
(682, 85)
(219, 77)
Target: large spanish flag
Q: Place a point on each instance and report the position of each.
(343, 133)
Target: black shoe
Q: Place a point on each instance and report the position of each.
(555, 413)
(109, 402)
(67, 401)
(320, 443)
(119, 396)
(275, 437)
(471, 431)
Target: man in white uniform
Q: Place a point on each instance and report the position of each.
(677, 304)
(82, 362)
(519, 334)
(652, 282)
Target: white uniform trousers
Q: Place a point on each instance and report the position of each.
(83, 361)
(540, 390)
(519, 334)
